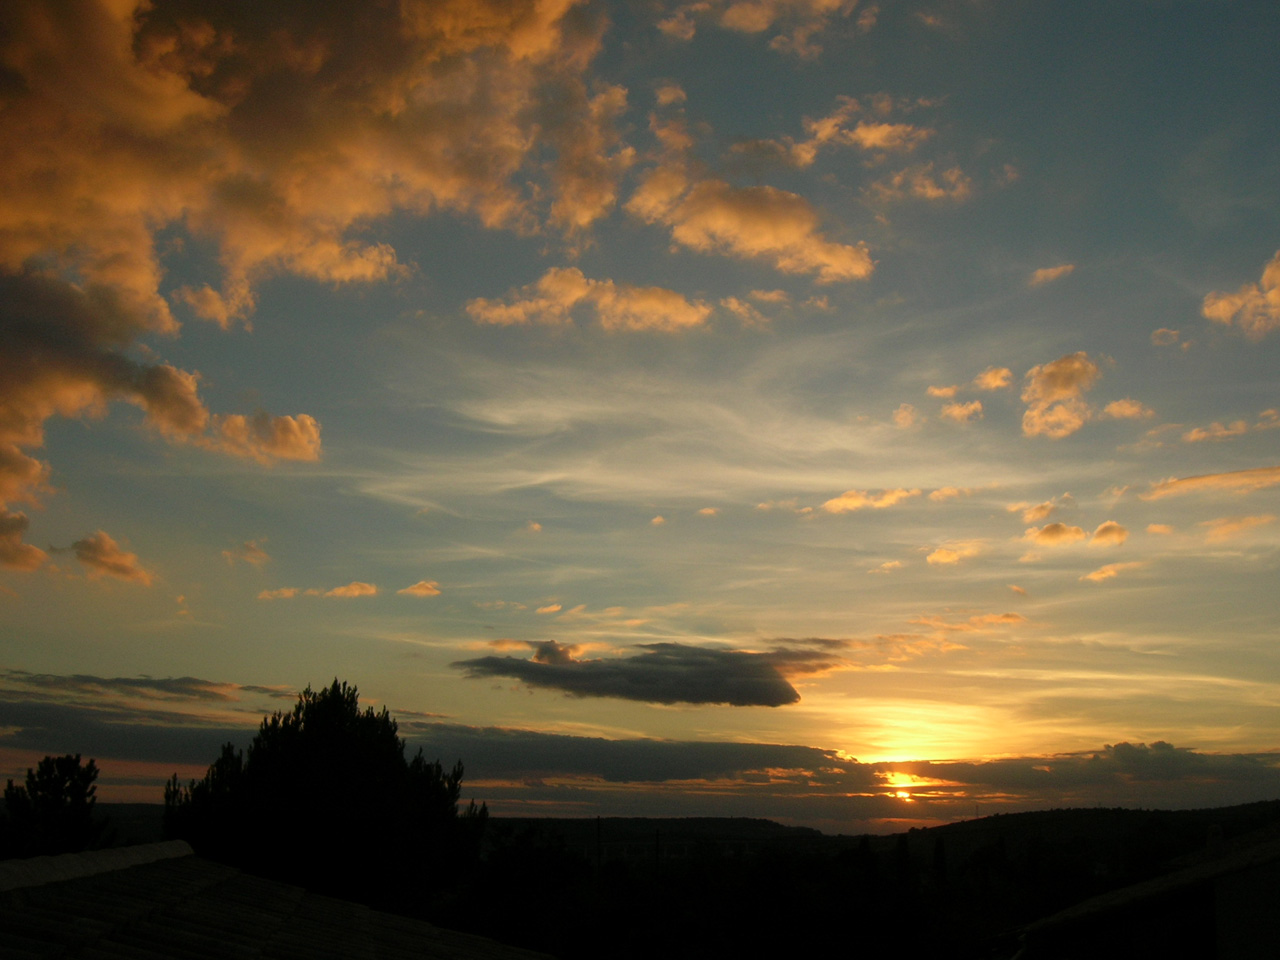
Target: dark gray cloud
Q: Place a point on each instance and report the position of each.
(663, 673)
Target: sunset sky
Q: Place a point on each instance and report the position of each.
(852, 414)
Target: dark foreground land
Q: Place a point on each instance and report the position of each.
(624, 888)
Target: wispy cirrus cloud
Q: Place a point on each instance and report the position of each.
(1234, 481)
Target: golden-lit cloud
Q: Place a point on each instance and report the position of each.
(423, 588)
(658, 521)
(103, 557)
(1035, 512)
(249, 552)
(942, 393)
(904, 416)
(1164, 337)
(1054, 395)
(1049, 274)
(950, 493)
(954, 551)
(709, 511)
(1159, 529)
(1020, 591)
(854, 500)
(744, 311)
(993, 378)
(356, 588)
(550, 608)
(14, 554)
(839, 128)
(1111, 570)
(1054, 534)
(1254, 308)
(962, 412)
(749, 223)
(1216, 431)
(922, 183)
(1127, 409)
(1235, 481)
(1229, 528)
(1109, 534)
(887, 567)
(533, 526)
(282, 593)
(552, 299)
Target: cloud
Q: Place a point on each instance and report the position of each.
(1164, 337)
(887, 567)
(1215, 431)
(250, 552)
(550, 608)
(1159, 529)
(1054, 534)
(658, 521)
(853, 500)
(1109, 533)
(14, 554)
(744, 311)
(666, 673)
(921, 183)
(943, 393)
(1254, 308)
(265, 438)
(1049, 274)
(553, 298)
(708, 511)
(1236, 481)
(282, 593)
(1035, 512)
(103, 557)
(950, 493)
(1127, 409)
(356, 588)
(838, 129)
(1020, 591)
(1111, 570)
(1229, 528)
(1054, 394)
(423, 588)
(904, 416)
(749, 223)
(954, 552)
(962, 412)
(993, 378)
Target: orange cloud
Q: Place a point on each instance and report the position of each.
(14, 554)
(1164, 337)
(103, 557)
(1109, 533)
(250, 552)
(552, 299)
(1159, 529)
(550, 608)
(1236, 481)
(954, 552)
(283, 593)
(1111, 570)
(943, 393)
(658, 521)
(1228, 528)
(1049, 274)
(423, 588)
(1254, 308)
(993, 378)
(904, 416)
(887, 567)
(1054, 394)
(1054, 534)
(1032, 513)
(356, 588)
(950, 493)
(920, 183)
(709, 511)
(853, 500)
(1127, 409)
(1215, 431)
(962, 412)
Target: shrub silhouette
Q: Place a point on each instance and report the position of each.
(53, 812)
(325, 798)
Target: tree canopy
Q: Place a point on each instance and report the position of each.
(53, 811)
(326, 798)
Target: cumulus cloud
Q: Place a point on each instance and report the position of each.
(954, 552)
(1054, 395)
(616, 306)
(103, 557)
(356, 588)
(709, 511)
(423, 588)
(993, 378)
(1164, 337)
(750, 223)
(887, 567)
(665, 673)
(904, 416)
(1235, 481)
(853, 500)
(1049, 274)
(1054, 534)
(922, 183)
(1035, 512)
(1254, 308)
(1215, 431)
(14, 554)
(1229, 528)
(1127, 409)
(1109, 533)
(1110, 571)
(838, 128)
(942, 393)
(962, 412)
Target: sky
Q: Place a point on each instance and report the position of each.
(856, 414)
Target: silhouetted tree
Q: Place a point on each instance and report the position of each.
(326, 798)
(53, 812)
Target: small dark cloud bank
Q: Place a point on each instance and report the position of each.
(663, 673)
